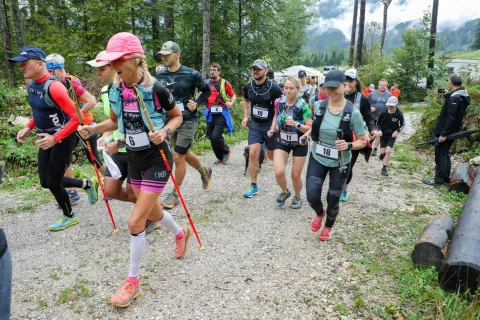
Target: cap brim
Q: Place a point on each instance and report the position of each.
(110, 56)
(351, 77)
(332, 84)
(19, 59)
(257, 66)
(165, 52)
(390, 105)
(96, 64)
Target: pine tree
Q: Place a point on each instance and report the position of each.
(476, 44)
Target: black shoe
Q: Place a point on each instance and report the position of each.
(381, 156)
(384, 171)
(282, 197)
(374, 152)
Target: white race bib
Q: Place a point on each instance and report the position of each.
(289, 136)
(260, 112)
(216, 109)
(137, 140)
(327, 151)
(180, 106)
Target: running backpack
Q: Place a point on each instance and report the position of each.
(344, 122)
(46, 87)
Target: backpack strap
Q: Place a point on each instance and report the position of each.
(358, 100)
(345, 122)
(46, 91)
(223, 91)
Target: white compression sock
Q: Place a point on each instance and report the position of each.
(168, 223)
(137, 248)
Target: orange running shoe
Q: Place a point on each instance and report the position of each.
(326, 234)
(125, 295)
(181, 245)
(317, 222)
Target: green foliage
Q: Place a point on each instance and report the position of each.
(476, 44)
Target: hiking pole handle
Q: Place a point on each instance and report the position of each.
(341, 162)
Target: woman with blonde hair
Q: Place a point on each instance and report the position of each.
(293, 117)
(146, 168)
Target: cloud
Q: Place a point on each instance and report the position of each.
(339, 13)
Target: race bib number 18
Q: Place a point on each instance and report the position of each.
(327, 151)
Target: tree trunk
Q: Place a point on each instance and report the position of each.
(462, 178)
(361, 30)
(433, 38)
(239, 42)
(206, 38)
(17, 21)
(461, 269)
(386, 4)
(170, 20)
(132, 19)
(155, 21)
(7, 41)
(354, 33)
(33, 11)
(431, 247)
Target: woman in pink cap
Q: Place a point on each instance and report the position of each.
(147, 171)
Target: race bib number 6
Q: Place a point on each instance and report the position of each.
(216, 109)
(137, 140)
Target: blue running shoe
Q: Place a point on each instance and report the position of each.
(92, 192)
(252, 190)
(74, 198)
(63, 222)
(344, 196)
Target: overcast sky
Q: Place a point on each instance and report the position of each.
(451, 13)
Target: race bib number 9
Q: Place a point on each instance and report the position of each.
(180, 106)
(327, 151)
(289, 136)
(261, 113)
(216, 109)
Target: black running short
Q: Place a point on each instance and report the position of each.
(147, 170)
(298, 150)
(121, 160)
(387, 142)
(257, 133)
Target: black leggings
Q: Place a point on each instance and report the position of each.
(355, 154)
(316, 174)
(52, 164)
(215, 134)
(93, 143)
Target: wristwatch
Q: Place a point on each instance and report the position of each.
(168, 131)
(299, 125)
(350, 146)
(121, 144)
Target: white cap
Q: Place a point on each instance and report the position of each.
(392, 101)
(321, 81)
(99, 64)
(352, 74)
(55, 57)
(371, 87)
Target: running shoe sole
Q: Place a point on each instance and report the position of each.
(251, 196)
(72, 223)
(128, 303)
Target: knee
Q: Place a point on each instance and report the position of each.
(51, 183)
(178, 158)
(296, 176)
(280, 173)
(135, 225)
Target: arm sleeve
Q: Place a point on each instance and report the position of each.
(229, 89)
(380, 122)
(31, 124)
(452, 109)
(165, 97)
(59, 94)
(78, 87)
(275, 104)
(276, 91)
(357, 123)
(201, 85)
(245, 91)
(366, 111)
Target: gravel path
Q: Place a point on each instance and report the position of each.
(260, 262)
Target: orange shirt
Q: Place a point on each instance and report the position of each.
(395, 92)
(366, 91)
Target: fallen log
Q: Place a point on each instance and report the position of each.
(462, 178)
(431, 247)
(461, 269)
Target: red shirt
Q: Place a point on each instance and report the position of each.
(367, 91)
(216, 96)
(395, 92)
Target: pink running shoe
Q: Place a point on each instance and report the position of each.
(326, 234)
(317, 222)
(181, 245)
(125, 295)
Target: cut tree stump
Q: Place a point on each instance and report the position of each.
(461, 269)
(462, 178)
(431, 247)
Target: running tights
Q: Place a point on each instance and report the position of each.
(355, 154)
(316, 174)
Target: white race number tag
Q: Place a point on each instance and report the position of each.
(216, 109)
(137, 140)
(289, 136)
(327, 151)
(260, 112)
(180, 106)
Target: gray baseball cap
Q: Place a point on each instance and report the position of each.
(169, 47)
(392, 101)
(259, 63)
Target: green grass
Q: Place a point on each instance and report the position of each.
(406, 159)
(79, 290)
(475, 55)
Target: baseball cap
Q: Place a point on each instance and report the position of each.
(352, 74)
(259, 63)
(392, 101)
(98, 64)
(29, 52)
(302, 73)
(334, 78)
(169, 47)
(371, 87)
(55, 61)
(321, 81)
(121, 44)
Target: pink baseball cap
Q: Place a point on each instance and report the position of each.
(121, 44)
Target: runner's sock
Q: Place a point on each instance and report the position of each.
(133, 280)
(168, 223)
(137, 248)
(202, 170)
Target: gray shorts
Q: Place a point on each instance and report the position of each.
(257, 133)
(182, 138)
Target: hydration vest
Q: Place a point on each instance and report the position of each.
(344, 122)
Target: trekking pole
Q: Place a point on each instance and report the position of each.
(92, 157)
(169, 169)
(341, 162)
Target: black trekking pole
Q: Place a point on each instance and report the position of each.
(341, 162)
